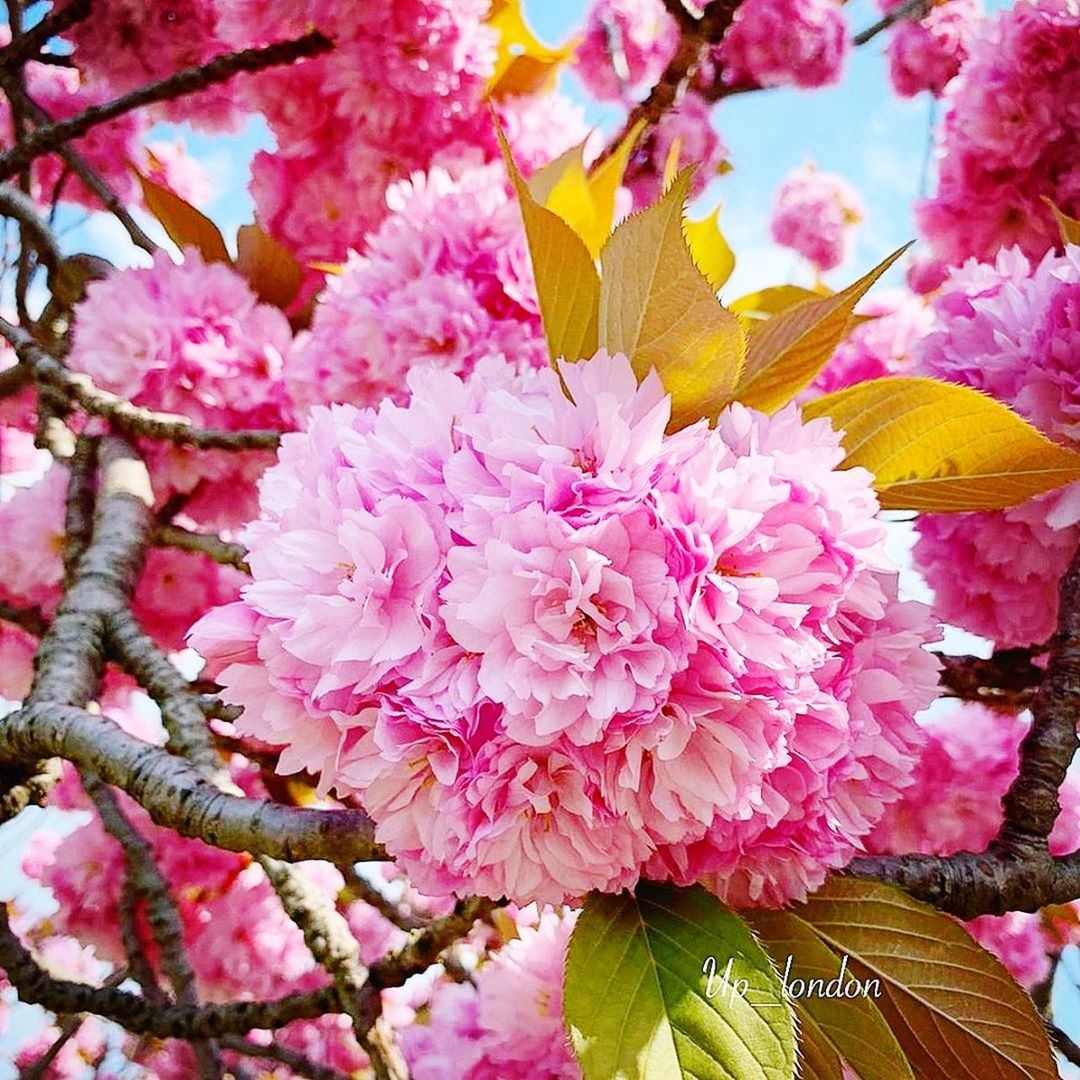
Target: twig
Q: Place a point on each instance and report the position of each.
(696, 34)
(210, 544)
(1064, 1045)
(18, 205)
(125, 417)
(29, 619)
(911, 9)
(293, 1060)
(423, 947)
(69, 1028)
(32, 40)
(93, 180)
(221, 69)
(359, 888)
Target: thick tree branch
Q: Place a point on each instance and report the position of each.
(178, 797)
(1017, 872)
(48, 137)
(130, 419)
(1008, 678)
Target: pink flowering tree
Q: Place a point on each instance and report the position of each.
(446, 640)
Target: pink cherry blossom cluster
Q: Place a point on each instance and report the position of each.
(128, 43)
(814, 213)
(784, 43)
(970, 759)
(1012, 329)
(403, 85)
(625, 48)
(1008, 138)
(552, 648)
(924, 54)
(174, 589)
(882, 345)
(507, 1024)
(190, 338)
(445, 279)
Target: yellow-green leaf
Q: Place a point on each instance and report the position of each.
(271, 270)
(770, 301)
(605, 179)
(1070, 227)
(953, 1008)
(934, 446)
(658, 308)
(567, 284)
(639, 1004)
(523, 64)
(186, 226)
(710, 249)
(785, 353)
(834, 1025)
(563, 188)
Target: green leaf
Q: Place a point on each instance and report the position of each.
(851, 1028)
(567, 284)
(955, 1011)
(186, 226)
(710, 249)
(935, 446)
(784, 353)
(637, 999)
(658, 308)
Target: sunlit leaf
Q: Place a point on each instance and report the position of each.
(785, 353)
(334, 269)
(524, 64)
(186, 226)
(710, 249)
(639, 1004)
(269, 267)
(1070, 227)
(605, 179)
(567, 284)
(771, 301)
(658, 308)
(831, 1025)
(935, 446)
(671, 163)
(953, 1008)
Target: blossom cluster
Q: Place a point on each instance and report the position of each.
(784, 43)
(625, 47)
(924, 54)
(190, 338)
(1011, 329)
(402, 90)
(1008, 138)
(552, 648)
(445, 279)
(814, 213)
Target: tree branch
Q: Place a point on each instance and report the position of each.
(696, 35)
(178, 797)
(31, 41)
(1008, 678)
(911, 9)
(221, 69)
(210, 544)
